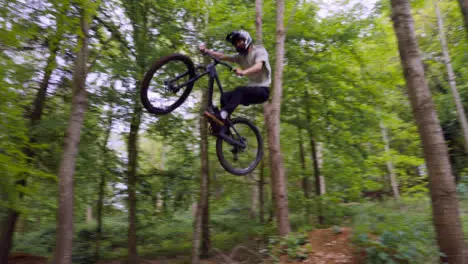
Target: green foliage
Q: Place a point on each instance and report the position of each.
(395, 233)
(342, 81)
(294, 245)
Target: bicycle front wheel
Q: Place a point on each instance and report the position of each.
(165, 86)
(240, 160)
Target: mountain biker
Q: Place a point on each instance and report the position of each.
(253, 60)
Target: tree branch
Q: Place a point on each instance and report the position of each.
(113, 29)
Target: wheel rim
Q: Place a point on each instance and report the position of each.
(241, 159)
(162, 92)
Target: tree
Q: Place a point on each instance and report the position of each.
(451, 77)
(315, 160)
(464, 10)
(53, 45)
(305, 178)
(72, 139)
(258, 22)
(103, 175)
(201, 234)
(390, 168)
(272, 121)
(445, 209)
(138, 13)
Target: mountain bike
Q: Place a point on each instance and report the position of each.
(166, 86)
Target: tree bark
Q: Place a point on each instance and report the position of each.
(132, 179)
(63, 249)
(201, 228)
(89, 214)
(201, 234)
(305, 178)
(138, 13)
(42, 93)
(261, 200)
(451, 77)
(254, 198)
(206, 241)
(445, 208)
(319, 151)
(464, 9)
(7, 233)
(391, 170)
(102, 182)
(100, 205)
(318, 184)
(315, 162)
(272, 121)
(258, 22)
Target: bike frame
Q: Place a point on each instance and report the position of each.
(210, 70)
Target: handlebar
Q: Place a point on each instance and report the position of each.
(218, 61)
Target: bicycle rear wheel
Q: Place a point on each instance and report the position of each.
(240, 160)
(165, 87)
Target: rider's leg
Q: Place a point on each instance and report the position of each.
(231, 100)
(245, 95)
(255, 95)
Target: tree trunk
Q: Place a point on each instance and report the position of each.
(138, 13)
(63, 249)
(89, 214)
(315, 162)
(451, 77)
(206, 241)
(100, 205)
(272, 121)
(445, 209)
(36, 114)
(305, 177)
(205, 163)
(258, 22)
(259, 41)
(319, 151)
(201, 235)
(254, 198)
(391, 170)
(318, 185)
(165, 195)
(21, 225)
(261, 185)
(464, 9)
(201, 228)
(102, 183)
(132, 179)
(7, 234)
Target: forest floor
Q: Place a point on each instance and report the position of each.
(328, 247)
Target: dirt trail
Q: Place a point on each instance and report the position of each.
(329, 247)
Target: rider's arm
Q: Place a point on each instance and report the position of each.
(254, 69)
(216, 54)
(220, 55)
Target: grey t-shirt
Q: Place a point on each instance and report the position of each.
(258, 53)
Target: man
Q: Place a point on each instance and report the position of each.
(253, 60)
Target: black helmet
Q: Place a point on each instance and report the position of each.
(240, 34)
